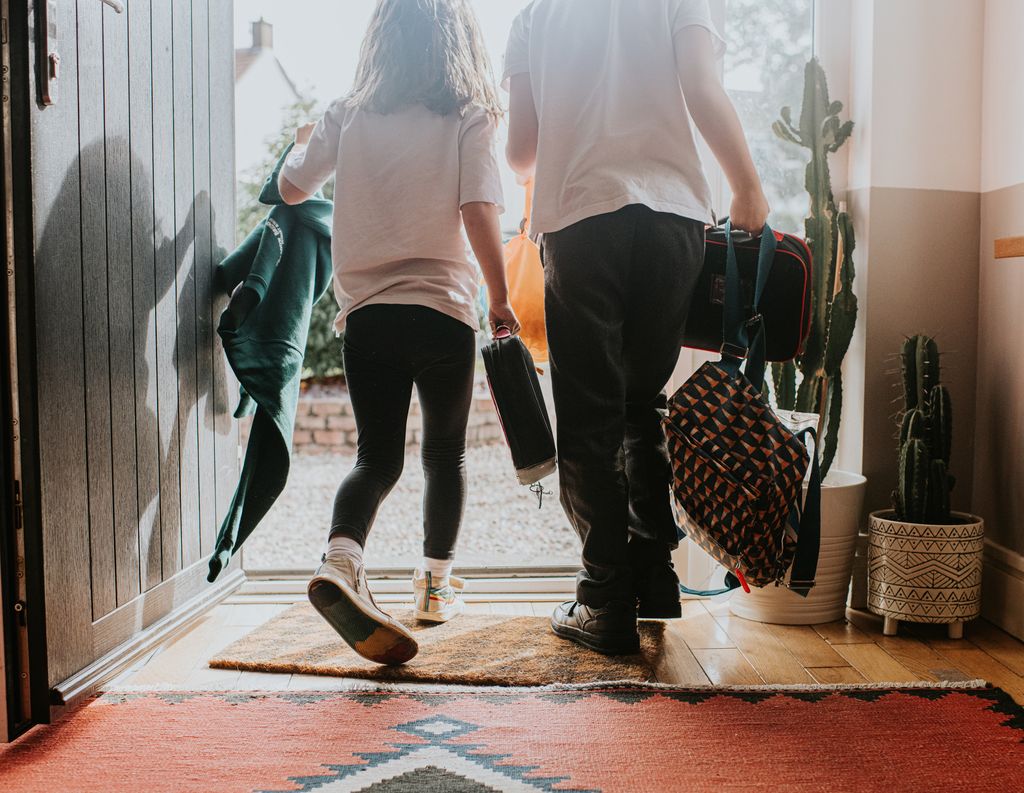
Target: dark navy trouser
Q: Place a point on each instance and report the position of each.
(618, 290)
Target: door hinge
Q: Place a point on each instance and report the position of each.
(19, 507)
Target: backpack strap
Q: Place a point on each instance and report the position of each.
(737, 344)
(807, 522)
(731, 583)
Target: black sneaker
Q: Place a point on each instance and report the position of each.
(657, 592)
(610, 630)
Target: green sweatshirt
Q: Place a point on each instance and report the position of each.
(275, 277)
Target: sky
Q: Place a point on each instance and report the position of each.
(317, 42)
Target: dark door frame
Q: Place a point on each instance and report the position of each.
(25, 696)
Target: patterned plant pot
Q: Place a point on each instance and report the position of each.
(925, 573)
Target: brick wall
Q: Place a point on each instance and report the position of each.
(326, 424)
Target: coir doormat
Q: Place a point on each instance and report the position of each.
(599, 739)
(473, 649)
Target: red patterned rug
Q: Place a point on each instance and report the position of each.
(600, 739)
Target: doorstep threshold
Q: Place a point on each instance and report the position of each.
(493, 587)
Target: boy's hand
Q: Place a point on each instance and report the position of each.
(303, 134)
(749, 212)
(502, 315)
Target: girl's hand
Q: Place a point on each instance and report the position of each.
(303, 134)
(502, 315)
(749, 212)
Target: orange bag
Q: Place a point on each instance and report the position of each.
(526, 285)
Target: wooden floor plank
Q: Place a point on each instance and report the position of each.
(773, 662)
(716, 606)
(708, 645)
(836, 675)
(875, 664)
(841, 632)
(1006, 649)
(921, 659)
(262, 681)
(252, 615)
(678, 666)
(699, 628)
(192, 652)
(979, 664)
(727, 667)
(807, 646)
(206, 679)
(318, 683)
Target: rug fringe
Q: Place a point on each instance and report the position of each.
(369, 687)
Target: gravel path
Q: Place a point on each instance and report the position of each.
(502, 527)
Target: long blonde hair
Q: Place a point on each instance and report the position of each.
(428, 52)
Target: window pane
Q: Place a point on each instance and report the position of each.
(770, 41)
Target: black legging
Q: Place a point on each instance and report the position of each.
(388, 349)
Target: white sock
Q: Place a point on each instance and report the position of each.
(438, 568)
(345, 547)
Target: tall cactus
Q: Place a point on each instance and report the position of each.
(831, 239)
(926, 437)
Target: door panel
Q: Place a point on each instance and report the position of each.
(133, 200)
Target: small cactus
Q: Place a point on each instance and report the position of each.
(926, 437)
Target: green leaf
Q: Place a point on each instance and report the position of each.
(832, 423)
(786, 133)
(784, 380)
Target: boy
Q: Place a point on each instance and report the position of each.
(601, 96)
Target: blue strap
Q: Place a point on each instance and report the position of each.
(735, 325)
(807, 523)
(731, 583)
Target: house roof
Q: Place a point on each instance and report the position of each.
(245, 58)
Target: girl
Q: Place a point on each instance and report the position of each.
(413, 149)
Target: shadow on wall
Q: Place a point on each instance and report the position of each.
(145, 355)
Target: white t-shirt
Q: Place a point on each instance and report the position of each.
(614, 128)
(402, 180)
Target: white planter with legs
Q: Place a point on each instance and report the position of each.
(842, 502)
(920, 572)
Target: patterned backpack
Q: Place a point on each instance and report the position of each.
(738, 471)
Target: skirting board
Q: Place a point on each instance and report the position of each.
(1002, 589)
(88, 681)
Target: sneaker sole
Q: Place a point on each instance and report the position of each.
(439, 616)
(603, 646)
(667, 611)
(363, 630)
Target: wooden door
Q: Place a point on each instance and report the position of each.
(132, 206)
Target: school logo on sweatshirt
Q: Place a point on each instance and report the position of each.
(276, 231)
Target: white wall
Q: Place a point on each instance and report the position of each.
(1003, 95)
(923, 63)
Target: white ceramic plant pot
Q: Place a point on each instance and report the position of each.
(842, 499)
(920, 572)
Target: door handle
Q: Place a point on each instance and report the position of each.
(48, 58)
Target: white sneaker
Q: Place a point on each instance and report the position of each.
(437, 599)
(340, 593)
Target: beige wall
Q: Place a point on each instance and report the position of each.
(913, 179)
(999, 460)
(921, 277)
(999, 454)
